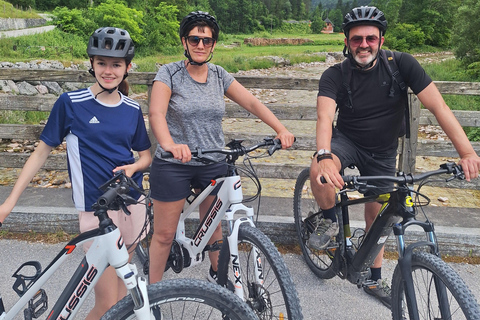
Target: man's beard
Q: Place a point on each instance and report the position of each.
(363, 63)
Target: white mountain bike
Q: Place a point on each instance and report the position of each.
(248, 258)
(176, 299)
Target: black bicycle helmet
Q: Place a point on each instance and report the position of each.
(111, 42)
(194, 16)
(364, 16)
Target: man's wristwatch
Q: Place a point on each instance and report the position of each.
(323, 154)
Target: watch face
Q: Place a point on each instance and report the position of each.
(323, 151)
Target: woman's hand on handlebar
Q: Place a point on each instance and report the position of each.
(179, 151)
(286, 137)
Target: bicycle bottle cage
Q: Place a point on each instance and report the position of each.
(23, 282)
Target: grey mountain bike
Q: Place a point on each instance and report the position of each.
(423, 285)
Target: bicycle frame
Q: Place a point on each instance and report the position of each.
(226, 203)
(107, 249)
(397, 213)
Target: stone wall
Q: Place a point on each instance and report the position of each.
(14, 24)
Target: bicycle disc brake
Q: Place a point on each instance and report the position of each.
(259, 300)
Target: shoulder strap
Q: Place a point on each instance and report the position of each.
(346, 76)
(389, 61)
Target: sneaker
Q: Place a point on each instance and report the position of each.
(380, 290)
(323, 234)
(212, 276)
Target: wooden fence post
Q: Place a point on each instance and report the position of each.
(408, 147)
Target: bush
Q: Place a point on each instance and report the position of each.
(73, 21)
(404, 37)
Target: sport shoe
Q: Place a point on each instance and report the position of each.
(380, 290)
(321, 237)
(212, 276)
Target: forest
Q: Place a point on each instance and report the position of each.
(153, 24)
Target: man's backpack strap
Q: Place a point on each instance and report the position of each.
(389, 61)
(346, 75)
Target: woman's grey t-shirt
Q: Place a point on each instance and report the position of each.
(195, 109)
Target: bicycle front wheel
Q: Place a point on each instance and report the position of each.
(183, 299)
(267, 283)
(307, 214)
(440, 292)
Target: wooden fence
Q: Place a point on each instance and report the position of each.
(297, 111)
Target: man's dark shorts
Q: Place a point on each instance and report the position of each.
(173, 181)
(367, 163)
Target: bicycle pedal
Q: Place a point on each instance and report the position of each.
(36, 306)
(370, 284)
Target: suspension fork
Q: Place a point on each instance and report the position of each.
(405, 264)
(233, 229)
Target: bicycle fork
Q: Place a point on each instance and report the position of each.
(405, 263)
(234, 226)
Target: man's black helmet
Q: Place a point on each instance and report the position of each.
(111, 42)
(364, 16)
(195, 16)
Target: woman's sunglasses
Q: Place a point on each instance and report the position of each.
(355, 41)
(194, 41)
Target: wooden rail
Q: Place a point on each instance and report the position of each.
(299, 111)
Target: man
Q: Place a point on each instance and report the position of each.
(369, 122)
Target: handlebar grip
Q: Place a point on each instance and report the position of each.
(107, 197)
(166, 155)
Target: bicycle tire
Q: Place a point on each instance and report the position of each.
(427, 267)
(183, 299)
(277, 297)
(304, 209)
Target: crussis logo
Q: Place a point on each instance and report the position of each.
(208, 222)
(80, 292)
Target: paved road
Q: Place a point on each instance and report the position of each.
(24, 32)
(320, 299)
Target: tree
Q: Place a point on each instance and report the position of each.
(161, 28)
(434, 17)
(114, 13)
(465, 37)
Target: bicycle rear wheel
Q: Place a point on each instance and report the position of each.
(307, 214)
(182, 299)
(274, 298)
(439, 290)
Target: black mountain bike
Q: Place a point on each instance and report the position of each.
(423, 285)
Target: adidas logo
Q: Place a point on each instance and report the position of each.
(94, 120)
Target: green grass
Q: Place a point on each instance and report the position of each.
(7, 10)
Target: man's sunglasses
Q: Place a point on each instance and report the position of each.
(194, 41)
(356, 41)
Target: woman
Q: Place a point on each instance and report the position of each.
(101, 126)
(186, 110)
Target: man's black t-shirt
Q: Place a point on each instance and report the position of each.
(375, 120)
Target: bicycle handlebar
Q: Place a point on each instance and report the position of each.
(115, 192)
(235, 149)
(404, 179)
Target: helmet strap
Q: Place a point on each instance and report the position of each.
(110, 91)
(186, 53)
